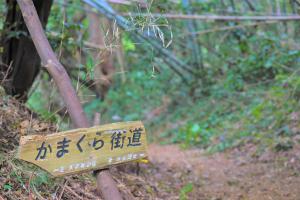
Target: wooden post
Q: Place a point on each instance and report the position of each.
(63, 82)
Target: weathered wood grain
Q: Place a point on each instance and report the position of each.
(85, 149)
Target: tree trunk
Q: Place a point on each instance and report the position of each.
(20, 58)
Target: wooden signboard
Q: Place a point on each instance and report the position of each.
(85, 149)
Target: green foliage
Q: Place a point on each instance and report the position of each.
(193, 134)
(185, 190)
(127, 43)
(2, 12)
(266, 60)
(7, 186)
(126, 102)
(41, 179)
(27, 178)
(38, 103)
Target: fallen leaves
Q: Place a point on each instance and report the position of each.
(32, 126)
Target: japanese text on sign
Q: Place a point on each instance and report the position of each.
(85, 149)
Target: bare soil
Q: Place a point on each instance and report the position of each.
(241, 173)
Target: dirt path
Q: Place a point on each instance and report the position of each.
(236, 174)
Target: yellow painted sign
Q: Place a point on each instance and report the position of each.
(85, 149)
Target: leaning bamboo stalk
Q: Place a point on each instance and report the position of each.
(49, 60)
(217, 17)
(128, 2)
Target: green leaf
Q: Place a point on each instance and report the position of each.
(7, 186)
(41, 178)
(195, 128)
(185, 190)
(128, 44)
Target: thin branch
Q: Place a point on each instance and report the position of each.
(73, 192)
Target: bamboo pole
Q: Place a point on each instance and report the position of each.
(128, 2)
(107, 186)
(217, 17)
(227, 28)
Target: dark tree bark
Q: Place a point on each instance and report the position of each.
(21, 62)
